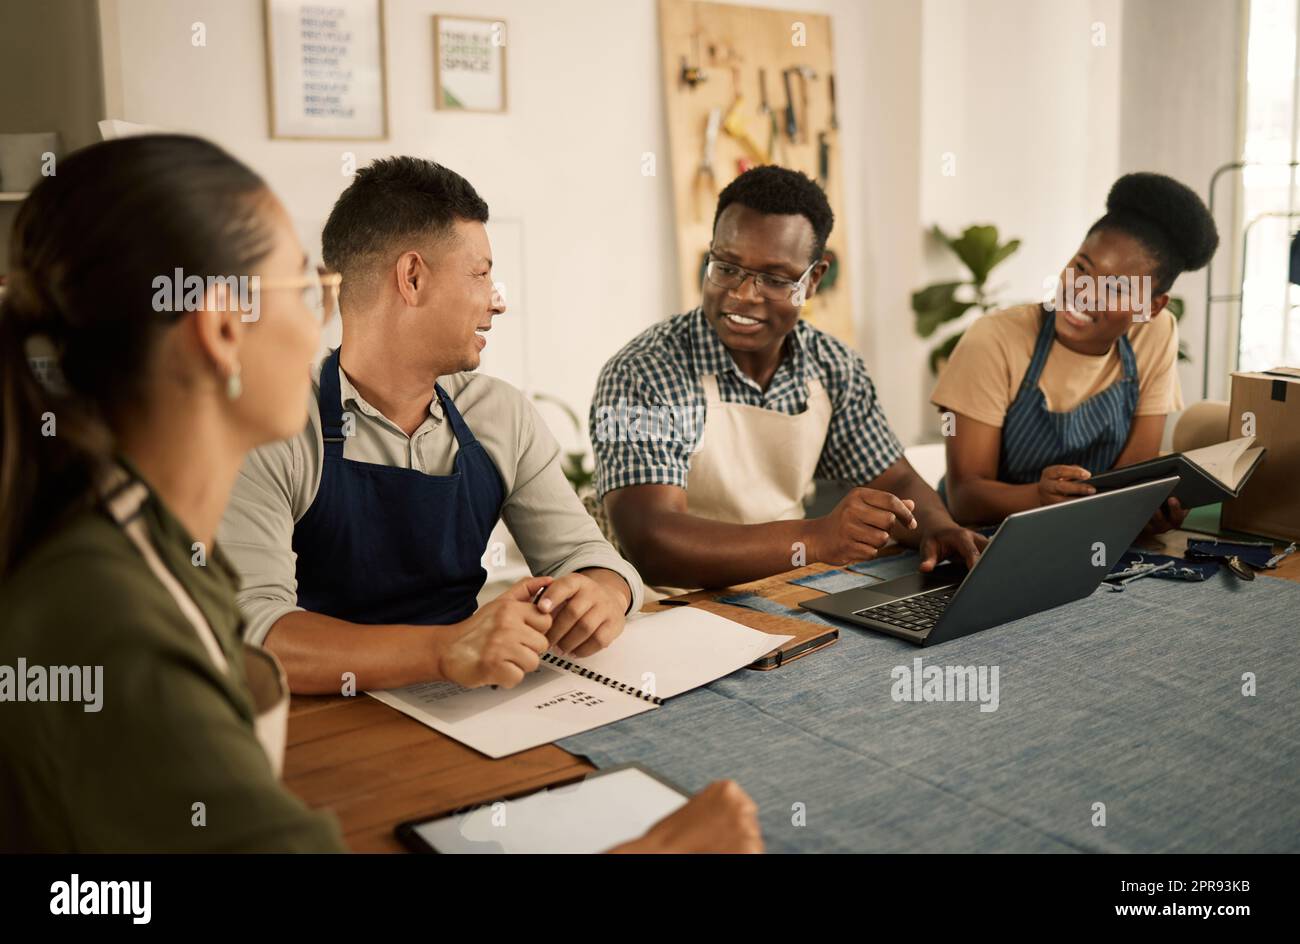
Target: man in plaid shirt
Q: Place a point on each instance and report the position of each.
(709, 428)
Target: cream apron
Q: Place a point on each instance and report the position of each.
(123, 498)
(754, 465)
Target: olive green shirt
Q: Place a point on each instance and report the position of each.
(169, 761)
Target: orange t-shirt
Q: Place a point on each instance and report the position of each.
(983, 376)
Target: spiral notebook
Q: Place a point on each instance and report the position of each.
(655, 658)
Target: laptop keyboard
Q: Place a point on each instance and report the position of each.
(917, 614)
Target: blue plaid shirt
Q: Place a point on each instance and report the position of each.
(649, 405)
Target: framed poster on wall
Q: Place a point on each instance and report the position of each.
(325, 69)
(469, 63)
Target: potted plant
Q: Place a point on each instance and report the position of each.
(980, 251)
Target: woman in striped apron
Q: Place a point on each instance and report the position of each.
(1036, 399)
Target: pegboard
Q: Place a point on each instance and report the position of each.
(712, 57)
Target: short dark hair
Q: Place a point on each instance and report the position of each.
(392, 199)
(779, 190)
(1167, 218)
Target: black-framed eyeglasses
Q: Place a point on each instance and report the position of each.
(776, 288)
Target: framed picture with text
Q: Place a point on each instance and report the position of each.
(469, 63)
(325, 69)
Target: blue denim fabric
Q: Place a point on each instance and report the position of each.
(1133, 700)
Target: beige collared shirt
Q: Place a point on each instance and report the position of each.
(278, 483)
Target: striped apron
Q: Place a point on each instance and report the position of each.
(1091, 435)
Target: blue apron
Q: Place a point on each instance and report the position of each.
(1091, 435)
(382, 544)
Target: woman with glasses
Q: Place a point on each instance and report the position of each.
(143, 722)
(709, 428)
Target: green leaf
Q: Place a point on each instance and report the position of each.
(936, 304)
(935, 295)
(976, 248)
(1003, 251)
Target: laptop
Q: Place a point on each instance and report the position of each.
(1036, 560)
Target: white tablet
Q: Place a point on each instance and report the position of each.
(593, 814)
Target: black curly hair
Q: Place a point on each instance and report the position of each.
(1167, 218)
(778, 190)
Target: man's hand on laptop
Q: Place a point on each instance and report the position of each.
(950, 541)
(501, 643)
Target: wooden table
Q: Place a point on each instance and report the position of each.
(373, 767)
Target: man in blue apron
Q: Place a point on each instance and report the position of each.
(737, 405)
(360, 542)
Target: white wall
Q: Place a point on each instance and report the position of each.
(1019, 91)
(1183, 69)
(586, 239)
(1042, 120)
(1026, 98)
(582, 234)
(889, 257)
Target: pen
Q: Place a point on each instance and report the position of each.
(537, 597)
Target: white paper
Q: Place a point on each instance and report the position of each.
(664, 655)
(593, 815)
(670, 653)
(1227, 461)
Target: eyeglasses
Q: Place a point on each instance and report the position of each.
(320, 289)
(773, 287)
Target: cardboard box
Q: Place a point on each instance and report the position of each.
(1270, 501)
